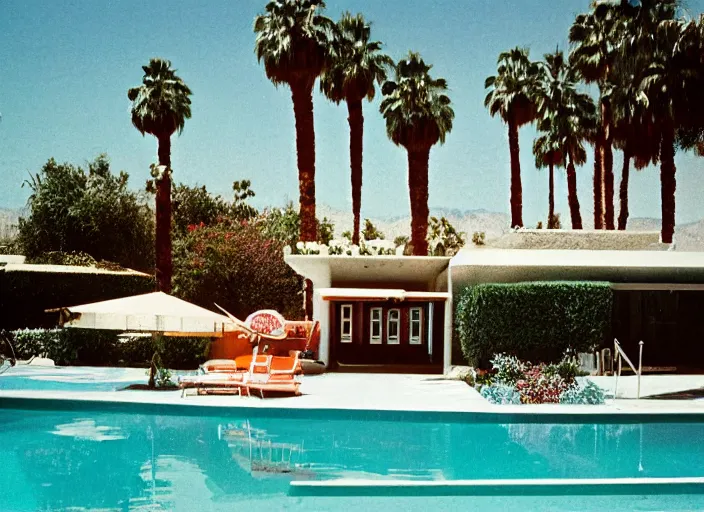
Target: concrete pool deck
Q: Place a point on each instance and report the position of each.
(392, 392)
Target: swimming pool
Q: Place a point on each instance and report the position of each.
(76, 378)
(138, 458)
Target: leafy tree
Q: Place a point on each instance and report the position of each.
(293, 40)
(195, 205)
(160, 107)
(418, 116)
(358, 64)
(326, 231)
(281, 224)
(240, 208)
(443, 238)
(401, 240)
(91, 211)
(371, 232)
(238, 267)
(512, 96)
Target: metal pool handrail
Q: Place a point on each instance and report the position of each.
(620, 354)
(13, 359)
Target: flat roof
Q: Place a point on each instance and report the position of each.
(378, 294)
(67, 269)
(514, 265)
(399, 269)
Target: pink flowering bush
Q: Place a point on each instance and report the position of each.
(534, 384)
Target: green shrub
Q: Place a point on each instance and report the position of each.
(501, 394)
(93, 347)
(583, 393)
(26, 294)
(537, 321)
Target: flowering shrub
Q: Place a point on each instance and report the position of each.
(508, 369)
(540, 388)
(536, 384)
(585, 392)
(568, 369)
(238, 267)
(501, 394)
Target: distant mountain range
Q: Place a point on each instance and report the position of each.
(688, 237)
(8, 222)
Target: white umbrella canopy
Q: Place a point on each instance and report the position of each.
(151, 312)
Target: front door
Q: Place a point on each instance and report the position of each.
(381, 333)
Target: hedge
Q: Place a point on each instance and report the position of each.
(535, 321)
(94, 347)
(26, 294)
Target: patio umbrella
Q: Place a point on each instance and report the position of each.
(150, 312)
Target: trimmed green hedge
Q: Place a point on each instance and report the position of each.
(94, 347)
(25, 295)
(535, 321)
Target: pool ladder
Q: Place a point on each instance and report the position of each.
(12, 360)
(621, 355)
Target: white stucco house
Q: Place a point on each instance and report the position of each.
(390, 312)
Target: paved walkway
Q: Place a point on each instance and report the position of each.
(403, 393)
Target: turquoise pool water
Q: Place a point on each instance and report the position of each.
(95, 460)
(84, 379)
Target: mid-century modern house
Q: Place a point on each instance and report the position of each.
(398, 310)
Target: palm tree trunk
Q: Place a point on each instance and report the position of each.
(302, 95)
(163, 218)
(356, 122)
(623, 191)
(667, 182)
(418, 189)
(572, 198)
(516, 188)
(598, 199)
(551, 196)
(607, 163)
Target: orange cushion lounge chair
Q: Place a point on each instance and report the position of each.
(279, 377)
(219, 366)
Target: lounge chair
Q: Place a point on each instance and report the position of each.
(278, 375)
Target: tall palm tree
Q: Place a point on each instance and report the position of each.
(293, 40)
(594, 40)
(418, 115)
(671, 87)
(635, 133)
(574, 126)
(567, 116)
(548, 153)
(358, 64)
(512, 96)
(160, 107)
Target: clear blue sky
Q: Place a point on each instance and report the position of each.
(65, 67)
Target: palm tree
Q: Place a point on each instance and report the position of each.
(357, 66)
(160, 107)
(418, 116)
(594, 39)
(548, 153)
(574, 126)
(512, 96)
(567, 117)
(293, 43)
(635, 134)
(671, 88)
